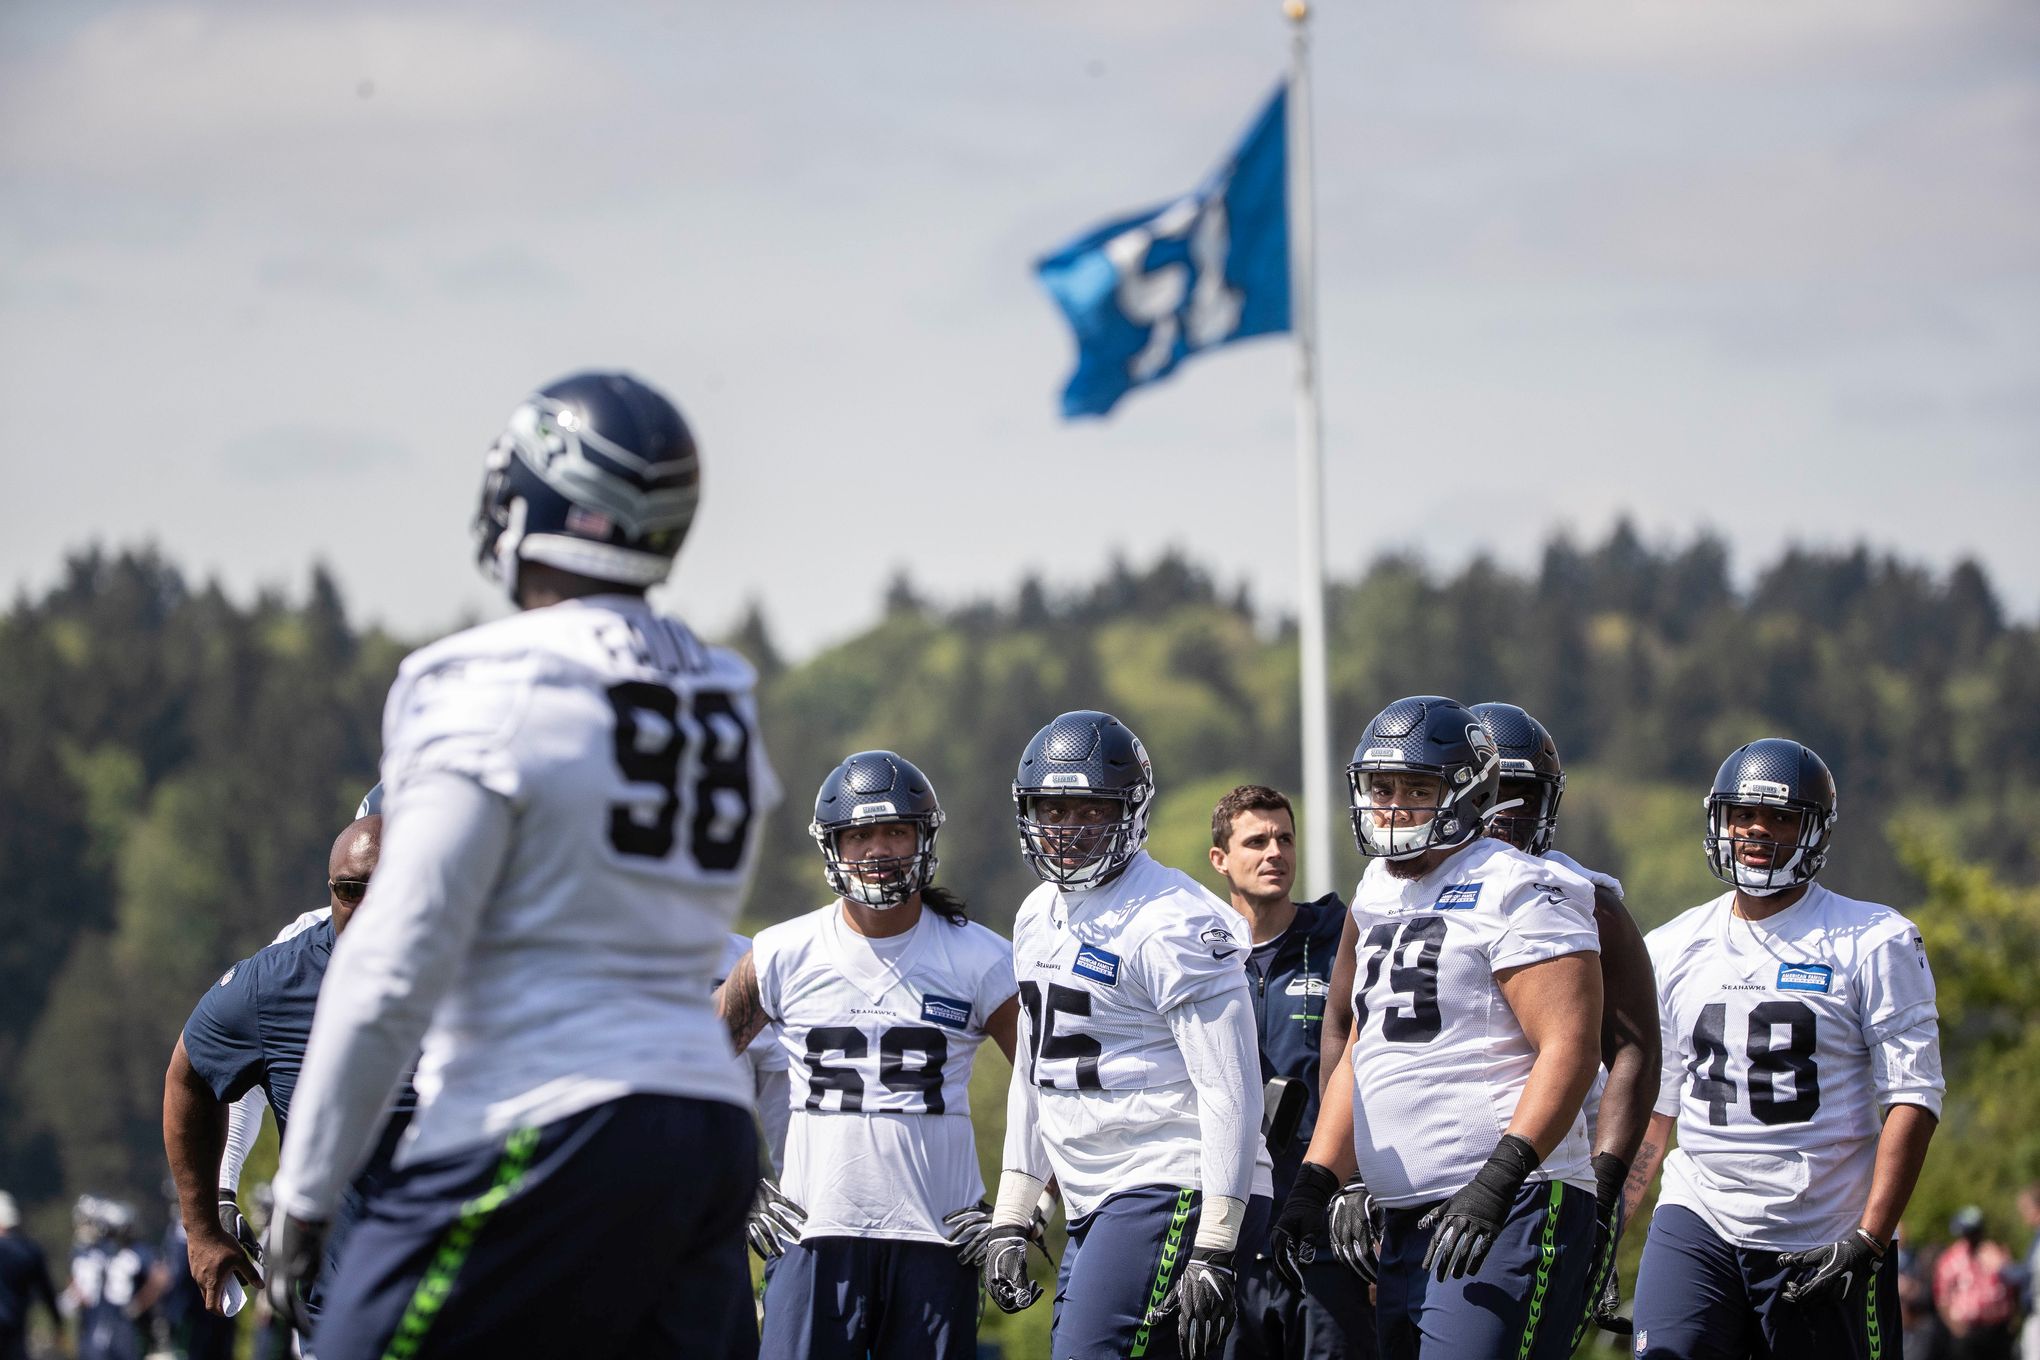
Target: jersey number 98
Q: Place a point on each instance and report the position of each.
(651, 748)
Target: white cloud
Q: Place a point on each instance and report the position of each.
(183, 89)
(1717, 35)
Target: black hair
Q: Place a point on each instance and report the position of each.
(945, 904)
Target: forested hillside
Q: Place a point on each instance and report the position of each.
(173, 764)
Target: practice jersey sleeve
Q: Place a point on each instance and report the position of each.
(1672, 1062)
(223, 1037)
(1024, 1151)
(1901, 1023)
(1216, 1036)
(457, 717)
(996, 985)
(440, 860)
(1196, 955)
(1547, 917)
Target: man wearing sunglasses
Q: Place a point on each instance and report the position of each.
(247, 1033)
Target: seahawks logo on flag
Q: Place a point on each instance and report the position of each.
(1147, 291)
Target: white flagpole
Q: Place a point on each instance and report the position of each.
(1319, 795)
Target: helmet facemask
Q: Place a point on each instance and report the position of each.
(1530, 820)
(878, 881)
(1789, 863)
(1100, 849)
(1415, 825)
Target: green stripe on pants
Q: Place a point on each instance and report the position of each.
(1165, 1274)
(432, 1291)
(1547, 1252)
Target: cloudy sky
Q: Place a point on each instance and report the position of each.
(272, 276)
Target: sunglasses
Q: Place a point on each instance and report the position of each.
(348, 890)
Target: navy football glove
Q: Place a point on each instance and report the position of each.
(774, 1222)
(1604, 1289)
(238, 1227)
(1468, 1223)
(1837, 1271)
(1302, 1219)
(1005, 1269)
(1351, 1226)
(1205, 1299)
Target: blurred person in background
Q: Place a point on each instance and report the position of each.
(1327, 1313)
(1973, 1292)
(24, 1282)
(249, 1031)
(2029, 1299)
(114, 1280)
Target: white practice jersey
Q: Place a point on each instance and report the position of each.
(1590, 1110)
(1099, 970)
(628, 753)
(1439, 1059)
(1784, 1041)
(880, 1035)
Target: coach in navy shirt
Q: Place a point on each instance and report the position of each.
(24, 1282)
(1289, 971)
(250, 1029)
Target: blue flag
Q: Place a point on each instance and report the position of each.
(1146, 292)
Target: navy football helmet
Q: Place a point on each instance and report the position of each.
(1425, 735)
(868, 788)
(597, 474)
(1528, 755)
(1085, 754)
(1773, 772)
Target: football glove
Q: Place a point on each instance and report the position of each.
(1204, 1300)
(1351, 1227)
(1833, 1272)
(238, 1227)
(1302, 1219)
(1468, 1223)
(775, 1221)
(969, 1227)
(1005, 1269)
(1604, 1290)
(294, 1251)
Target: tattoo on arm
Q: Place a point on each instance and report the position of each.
(1643, 1170)
(737, 1004)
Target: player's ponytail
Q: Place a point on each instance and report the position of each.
(945, 904)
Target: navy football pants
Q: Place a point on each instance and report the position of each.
(618, 1231)
(846, 1298)
(1331, 1319)
(1121, 1259)
(1701, 1298)
(1524, 1302)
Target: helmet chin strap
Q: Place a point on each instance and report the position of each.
(1756, 882)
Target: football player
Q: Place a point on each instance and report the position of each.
(766, 1058)
(115, 1280)
(24, 1283)
(1138, 1088)
(1618, 1104)
(880, 999)
(1289, 968)
(244, 1118)
(1802, 1071)
(248, 1033)
(571, 794)
(1477, 1020)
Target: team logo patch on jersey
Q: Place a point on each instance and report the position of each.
(1217, 935)
(1097, 965)
(1804, 977)
(1458, 896)
(945, 1010)
(228, 976)
(1308, 986)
